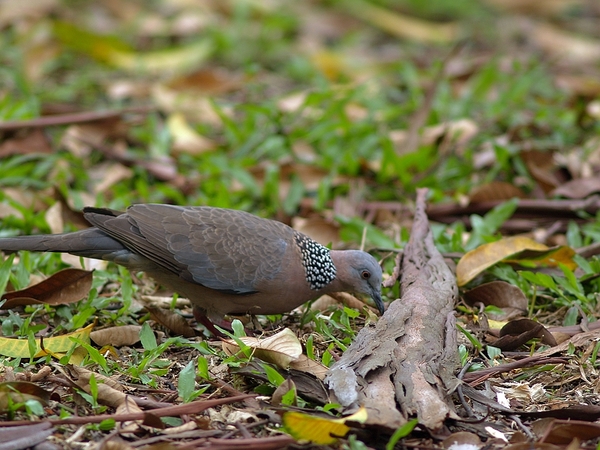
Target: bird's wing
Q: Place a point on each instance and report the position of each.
(221, 249)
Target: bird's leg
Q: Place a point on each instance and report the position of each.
(201, 318)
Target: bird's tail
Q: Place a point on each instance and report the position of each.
(90, 243)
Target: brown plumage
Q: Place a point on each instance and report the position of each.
(224, 261)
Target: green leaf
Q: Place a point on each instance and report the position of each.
(400, 433)
(147, 337)
(186, 382)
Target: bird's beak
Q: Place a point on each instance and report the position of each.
(376, 296)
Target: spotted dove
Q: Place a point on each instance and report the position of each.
(225, 261)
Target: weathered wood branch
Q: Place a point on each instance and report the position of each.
(404, 365)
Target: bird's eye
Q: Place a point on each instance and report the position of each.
(365, 274)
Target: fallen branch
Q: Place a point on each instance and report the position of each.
(404, 365)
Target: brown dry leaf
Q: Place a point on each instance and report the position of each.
(318, 228)
(486, 255)
(106, 174)
(563, 432)
(563, 44)
(305, 364)
(24, 197)
(280, 349)
(117, 336)
(81, 376)
(462, 439)
(282, 389)
(80, 139)
(24, 143)
(583, 85)
(185, 138)
(64, 287)
(401, 25)
(496, 190)
(519, 332)
(171, 320)
(535, 7)
(128, 89)
(500, 294)
(196, 107)
(209, 82)
(543, 169)
(458, 132)
(68, 213)
(580, 188)
(14, 12)
(126, 407)
(293, 102)
(54, 218)
(12, 392)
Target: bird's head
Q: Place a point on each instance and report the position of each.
(358, 272)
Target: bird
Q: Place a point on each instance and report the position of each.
(225, 261)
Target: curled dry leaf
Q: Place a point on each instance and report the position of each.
(185, 138)
(117, 336)
(462, 440)
(323, 231)
(34, 141)
(519, 332)
(307, 365)
(173, 321)
(285, 387)
(12, 392)
(500, 294)
(517, 250)
(64, 287)
(564, 432)
(486, 255)
(320, 430)
(496, 190)
(579, 188)
(81, 376)
(280, 349)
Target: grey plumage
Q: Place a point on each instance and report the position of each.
(225, 261)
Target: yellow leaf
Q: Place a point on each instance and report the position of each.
(401, 25)
(546, 258)
(19, 348)
(320, 430)
(486, 255)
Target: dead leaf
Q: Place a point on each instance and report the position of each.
(495, 190)
(185, 138)
(283, 389)
(280, 349)
(117, 336)
(319, 430)
(19, 392)
(563, 432)
(500, 294)
(543, 169)
(64, 287)
(171, 320)
(24, 143)
(579, 188)
(486, 255)
(401, 25)
(519, 332)
(563, 44)
(462, 439)
(317, 228)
